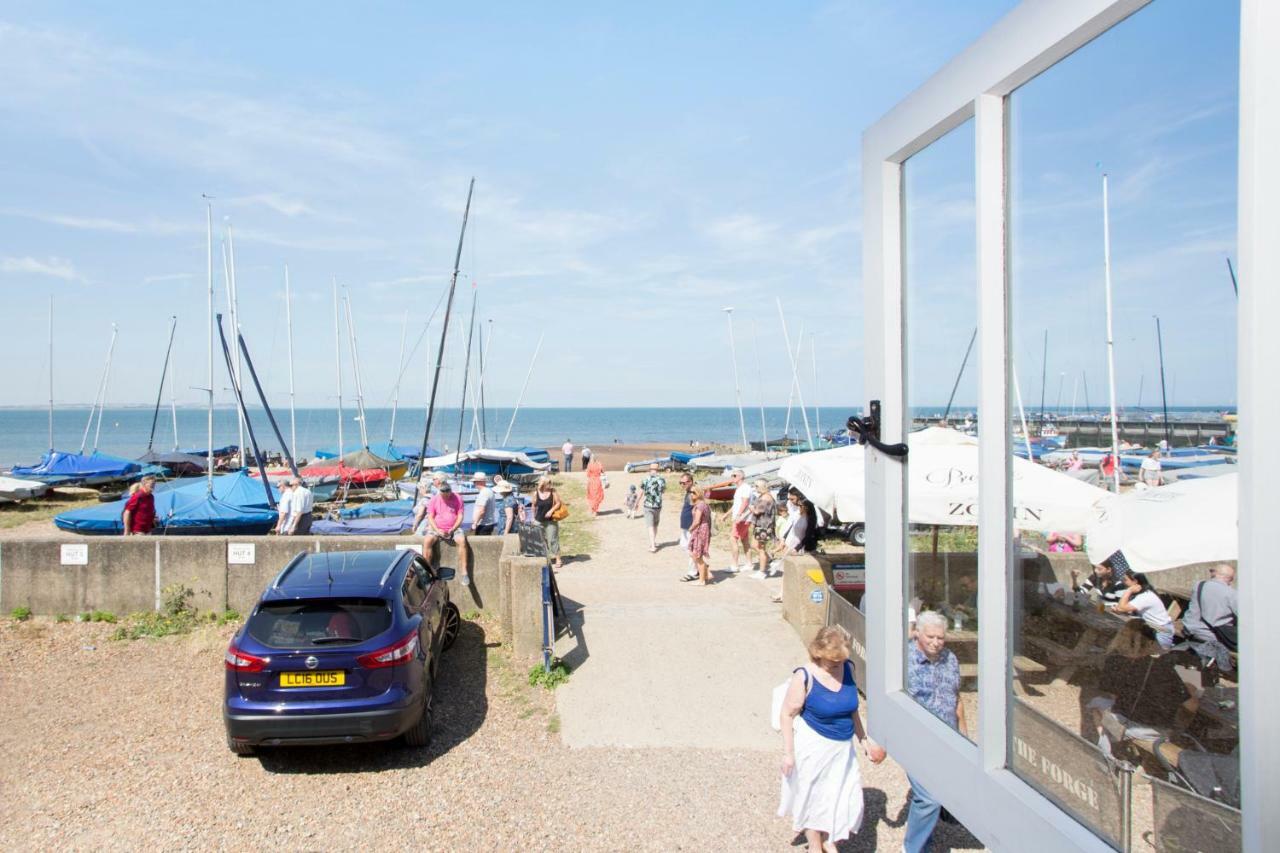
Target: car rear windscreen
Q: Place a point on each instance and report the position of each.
(325, 622)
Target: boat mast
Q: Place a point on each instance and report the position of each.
(288, 319)
(164, 371)
(1022, 414)
(466, 374)
(97, 397)
(395, 392)
(50, 372)
(1164, 400)
(1111, 357)
(235, 386)
(484, 358)
(813, 354)
(791, 389)
(106, 380)
(453, 283)
(523, 388)
(963, 363)
(209, 329)
(234, 296)
(755, 345)
(1235, 285)
(337, 353)
(355, 363)
(1044, 374)
(737, 384)
(795, 373)
(266, 407)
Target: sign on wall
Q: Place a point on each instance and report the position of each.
(410, 546)
(75, 554)
(241, 553)
(1067, 769)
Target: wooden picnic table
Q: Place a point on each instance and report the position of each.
(1100, 629)
(1219, 704)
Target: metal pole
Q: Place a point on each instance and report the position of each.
(173, 404)
(791, 388)
(395, 392)
(209, 325)
(266, 407)
(51, 373)
(1164, 400)
(813, 354)
(453, 284)
(795, 374)
(1062, 377)
(466, 374)
(484, 358)
(288, 318)
(755, 345)
(1022, 415)
(963, 363)
(235, 386)
(235, 327)
(737, 385)
(97, 397)
(164, 371)
(1044, 373)
(523, 388)
(355, 363)
(106, 380)
(1235, 285)
(337, 357)
(1111, 357)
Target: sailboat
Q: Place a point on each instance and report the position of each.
(175, 462)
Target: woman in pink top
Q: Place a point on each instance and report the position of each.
(444, 524)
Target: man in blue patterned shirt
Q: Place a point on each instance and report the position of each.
(933, 680)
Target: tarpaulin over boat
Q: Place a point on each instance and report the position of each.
(385, 449)
(355, 476)
(176, 462)
(202, 452)
(505, 462)
(380, 524)
(74, 467)
(363, 460)
(237, 505)
(383, 509)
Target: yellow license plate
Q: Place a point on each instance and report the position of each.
(313, 679)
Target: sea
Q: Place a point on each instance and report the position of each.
(127, 432)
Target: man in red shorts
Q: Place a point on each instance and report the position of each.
(740, 514)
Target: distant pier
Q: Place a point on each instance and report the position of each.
(1091, 432)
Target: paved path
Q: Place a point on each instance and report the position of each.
(664, 663)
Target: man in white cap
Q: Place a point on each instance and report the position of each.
(300, 506)
(483, 517)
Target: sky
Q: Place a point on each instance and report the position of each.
(637, 170)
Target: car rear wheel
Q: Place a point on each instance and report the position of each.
(858, 535)
(241, 749)
(452, 625)
(419, 734)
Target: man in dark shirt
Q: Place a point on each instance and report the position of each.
(140, 509)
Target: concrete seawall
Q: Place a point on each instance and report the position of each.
(127, 575)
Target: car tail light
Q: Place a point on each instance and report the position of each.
(239, 661)
(401, 651)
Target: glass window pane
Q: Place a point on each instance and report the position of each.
(1126, 308)
(941, 316)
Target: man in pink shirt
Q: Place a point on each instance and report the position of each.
(444, 524)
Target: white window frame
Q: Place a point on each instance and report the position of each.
(1001, 809)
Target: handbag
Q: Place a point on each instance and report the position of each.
(780, 695)
(560, 514)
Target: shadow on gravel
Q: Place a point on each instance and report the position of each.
(460, 710)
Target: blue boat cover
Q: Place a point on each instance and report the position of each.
(385, 449)
(238, 505)
(382, 525)
(537, 454)
(681, 458)
(203, 452)
(55, 463)
(378, 510)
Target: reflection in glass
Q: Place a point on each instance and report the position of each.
(941, 316)
(1110, 587)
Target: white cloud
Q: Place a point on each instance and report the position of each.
(274, 201)
(52, 267)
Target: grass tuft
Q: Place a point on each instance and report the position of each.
(558, 675)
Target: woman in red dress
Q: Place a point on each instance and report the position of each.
(595, 486)
(700, 534)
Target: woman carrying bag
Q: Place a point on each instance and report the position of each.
(821, 781)
(549, 511)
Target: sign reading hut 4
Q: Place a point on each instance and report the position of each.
(241, 553)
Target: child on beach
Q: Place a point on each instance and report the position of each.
(632, 502)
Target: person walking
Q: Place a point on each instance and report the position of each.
(140, 509)
(444, 524)
(546, 507)
(821, 782)
(653, 487)
(484, 512)
(283, 507)
(567, 450)
(740, 518)
(933, 680)
(686, 523)
(699, 536)
(595, 482)
(301, 504)
(632, 501)
(508, 508)
(586, 457)
(764, 511)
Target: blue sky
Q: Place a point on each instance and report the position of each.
(638, 168)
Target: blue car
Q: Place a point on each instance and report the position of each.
(343, 647)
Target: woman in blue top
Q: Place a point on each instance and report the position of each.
(821, 782)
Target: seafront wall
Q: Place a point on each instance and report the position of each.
(127, 575)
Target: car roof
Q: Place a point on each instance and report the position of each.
(340, 573)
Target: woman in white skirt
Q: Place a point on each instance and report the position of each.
(821, 783)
